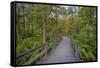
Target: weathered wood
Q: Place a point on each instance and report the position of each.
(64, 52)
(37, 56)
(29, 52)
(76, 49)
(26, 53)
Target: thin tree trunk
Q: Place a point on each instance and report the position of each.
(44, 30)
(24, 19)
(44, 25)
(18, 25)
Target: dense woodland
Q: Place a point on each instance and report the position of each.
(37, 24)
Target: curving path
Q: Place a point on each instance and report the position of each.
(64, 52)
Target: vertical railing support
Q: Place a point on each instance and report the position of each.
(46, 48)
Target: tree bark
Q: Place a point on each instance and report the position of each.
(44, 26)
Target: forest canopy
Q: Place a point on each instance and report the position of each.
(39, 23)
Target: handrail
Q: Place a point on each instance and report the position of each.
(76, 49)
(37, 56)
(26, 53)
(29, 52)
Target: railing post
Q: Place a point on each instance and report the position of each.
(46, 48)
(76, 49)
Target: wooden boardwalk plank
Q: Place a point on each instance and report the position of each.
(64, 52)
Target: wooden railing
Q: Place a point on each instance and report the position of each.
(30, 52)
(76, 49)
(43, 50)
(37, 56)
(26, 53)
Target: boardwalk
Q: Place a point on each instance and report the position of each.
(64, 52)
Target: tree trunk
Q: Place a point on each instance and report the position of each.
(44, 27)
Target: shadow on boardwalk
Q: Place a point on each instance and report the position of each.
(64, 52)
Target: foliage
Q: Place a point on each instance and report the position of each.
(37, 24)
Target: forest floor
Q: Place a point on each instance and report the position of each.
(63, 52)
